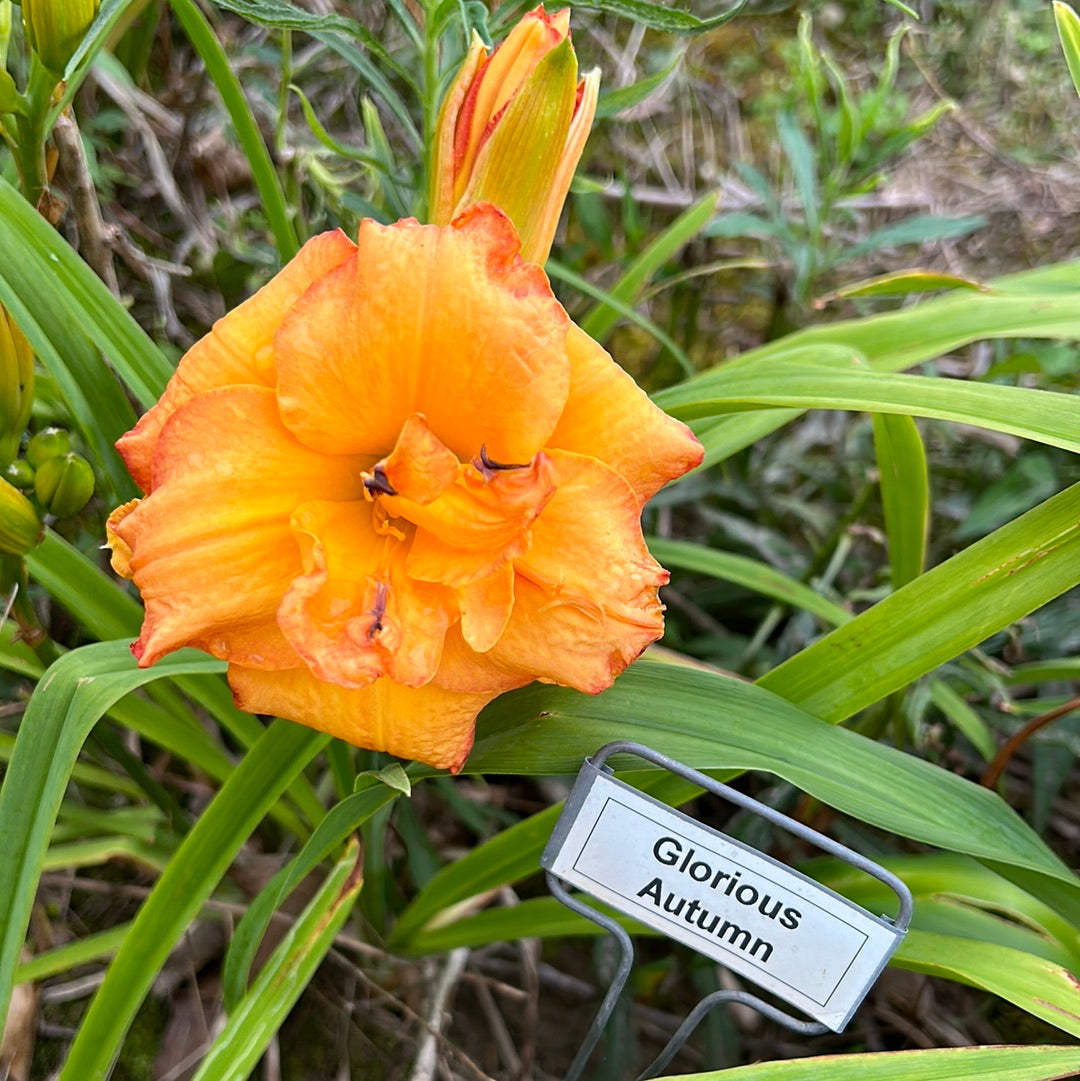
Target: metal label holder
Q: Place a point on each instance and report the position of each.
(720, 897)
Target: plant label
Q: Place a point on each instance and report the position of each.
(764, 920)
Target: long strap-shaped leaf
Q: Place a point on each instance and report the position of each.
(262, 1010)
(192, 874)
(1032, 414)
(944, 612)
(951, 1064)
(71, 697)
(1042, 303)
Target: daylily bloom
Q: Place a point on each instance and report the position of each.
(395, 483)
(512, 128)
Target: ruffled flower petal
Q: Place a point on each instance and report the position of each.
(447, 322)
(585, 598)
(237, 349)
(355, 614)
(609, 417)
(211, 549)
(431, 724)
(478, 524)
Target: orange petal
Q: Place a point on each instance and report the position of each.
(609, 417)
(444, 164)
(428, 724)
(443, 321)
(478, 524)
(354, 614)
(463, 669)
(421, 466)
(485, 609)
(212, 551)
(585, 599)
(237, 349)
(119, 552)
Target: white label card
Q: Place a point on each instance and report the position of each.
(788, 934)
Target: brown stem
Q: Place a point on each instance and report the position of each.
(993, 771)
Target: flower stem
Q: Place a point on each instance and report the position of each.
(30, 149)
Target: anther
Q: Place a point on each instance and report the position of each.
(382, 591)
(488, 466)
(378, 484)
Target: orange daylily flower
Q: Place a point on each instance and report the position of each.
(395, 483)
(512, 128)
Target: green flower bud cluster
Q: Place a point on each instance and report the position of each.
(60, 481)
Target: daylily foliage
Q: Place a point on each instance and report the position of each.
(395, 483)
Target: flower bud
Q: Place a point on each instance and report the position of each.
(20, 473)
(55, 29)
(48, 443)
(512, 129)
(64, 484)
(20, 527)
(16, 385)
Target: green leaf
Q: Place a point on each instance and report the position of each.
(900, 283)
(252, 1025)
(1068, 28)
(1041, 987)
(948, 610)
(613, 102)
(905, 494)
(80, 951)
(1042, 303)
(563, 273)
(949, 1064)
(714, 722)
(600, 321)
(658, 17)
(1045, 416)
(802, 161)
(70, 698)
(749, 573)
(340, 34)
(963, 718)
(11, 101)
(200, 862)
(338, 824)
(918, 229)
(55, 285)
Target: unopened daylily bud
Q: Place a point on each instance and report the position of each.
(64, 484)
(55, 29)
(16, 385)
(46, 444)
(20, 527)
(20, 473)
(512, 129)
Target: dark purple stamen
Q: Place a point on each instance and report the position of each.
(489, 465)
(377, 483)
(382, 591)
